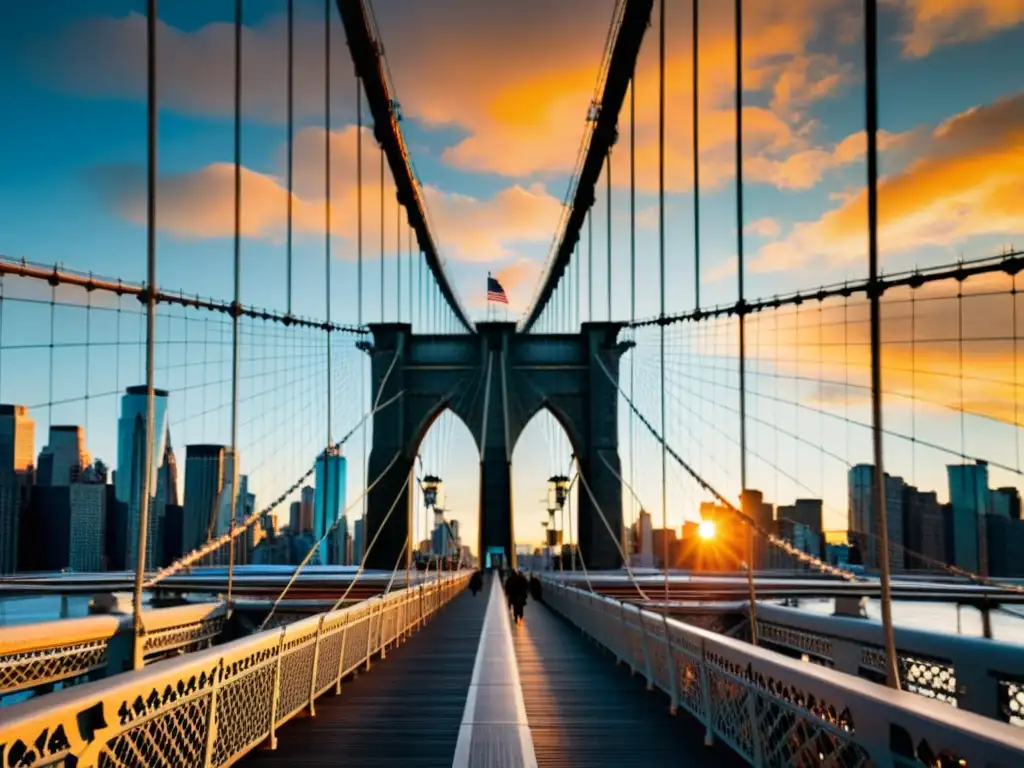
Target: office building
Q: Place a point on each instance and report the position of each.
(358, 529)
(643, 541)
(328, 503)
(1005, 502)
(205, 466)
(173, 537)
(923, 529)
(753, 505)
(307, 501)
(1005, 537)
(862, 524)
(64, 527)
(294, 515)
(64, 457)
(245, 505)
(17, 468)
(969, 504)
(131, 465)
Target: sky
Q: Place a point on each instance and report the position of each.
(494, 98)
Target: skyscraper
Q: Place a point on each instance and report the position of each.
(245, 506)
(923, 529)
(64, 457)
(863, 531)
(969, 502)
(328, 503)
(306, 502)
(17, 454)
(294, 517)
(357, 541)
(204, 481)
(130, 477)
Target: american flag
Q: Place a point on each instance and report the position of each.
(495, 292)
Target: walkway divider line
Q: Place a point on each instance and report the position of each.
(496, 678)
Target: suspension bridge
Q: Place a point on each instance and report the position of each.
(299, 590)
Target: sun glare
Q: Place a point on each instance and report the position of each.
(706, 529)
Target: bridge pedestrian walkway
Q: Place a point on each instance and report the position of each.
(474, 689)
(405, 711)
(585, 711)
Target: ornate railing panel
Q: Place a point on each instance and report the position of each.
(35, 655)
(212, 706)
(777, 711)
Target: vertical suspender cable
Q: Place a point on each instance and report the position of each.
(608, 194)
(359, 263)
(330, 502)
(579, 283)
(236, 305)
(632, 285)
(696, 157)
(661, 281)
(741, 315)
(147, 453)
(382, 233)
(590, 264)
(398, 261)
(291, 141)
(871, 110)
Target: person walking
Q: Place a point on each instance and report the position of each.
(476, 582)
(520, 588)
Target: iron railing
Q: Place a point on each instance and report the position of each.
(773, 710)
(211, 707)
(45, 653)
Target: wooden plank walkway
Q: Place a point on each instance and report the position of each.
(585, 711)
(405, 711)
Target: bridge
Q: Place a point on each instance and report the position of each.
(319, 578)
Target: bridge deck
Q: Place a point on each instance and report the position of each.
(580, 708)
(583, 710)
(405, 711)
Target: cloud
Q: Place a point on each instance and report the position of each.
(106, 56)
(766, 227)
(200, 203)
(724, 269)
(517, 83)
(967, 179)
(934, 23)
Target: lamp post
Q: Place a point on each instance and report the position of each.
(558, 494)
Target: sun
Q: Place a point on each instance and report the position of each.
(706, 530)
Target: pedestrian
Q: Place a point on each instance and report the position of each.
(476, 582)
(535, 588)
(520, 588)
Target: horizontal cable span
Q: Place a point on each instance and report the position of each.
(1010, 263)
(56, 276)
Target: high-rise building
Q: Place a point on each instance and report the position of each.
(969, 503)
(1005, 502)
(131, 469)
(204, 482)
(245, 506)
(64, 457)
(226, 503)
(1005, 536)
(328, 503)
(358, 528)
(65, 527)
(294, 516)
(17, 467)
(643, 543)
(923, 529)
(173, 537)
(754, 506)
(306, 502)
(862, 527)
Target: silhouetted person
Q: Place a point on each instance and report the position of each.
(476, 582)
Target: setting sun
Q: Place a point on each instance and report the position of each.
(706, 529)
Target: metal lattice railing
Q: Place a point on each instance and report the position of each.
(212, 706)
(773, 710)
(64, 651)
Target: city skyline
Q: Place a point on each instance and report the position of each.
(495, 210)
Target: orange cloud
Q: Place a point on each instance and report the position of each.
(518, 82)
(200, 204)
(967, 180)
(934, 23)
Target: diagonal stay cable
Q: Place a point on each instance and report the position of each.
(322, 539)
(243, 525)
(821, 565)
